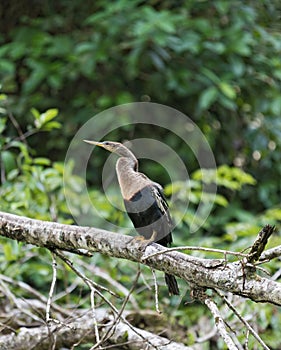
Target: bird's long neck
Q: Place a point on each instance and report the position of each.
(127, 174)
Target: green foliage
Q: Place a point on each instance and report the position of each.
(229, 177)
(43, 197)
(225, 177)
(219, 63)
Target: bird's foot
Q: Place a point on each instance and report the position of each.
(141, 242)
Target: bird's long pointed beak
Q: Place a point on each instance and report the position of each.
(100, 144)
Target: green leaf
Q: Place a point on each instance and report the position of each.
(221, 200)
(276, 105)
(8, 251)
(51, 125)
(6, 66)
(227, 90)
(229, 177)
(13, 174)
(3, 97)
(43, 121)
(2, 124)
(39, 73)
(210, 75)
(207, 97)
(35, 113)
(49, 115)
(8, 160)
(41, 161)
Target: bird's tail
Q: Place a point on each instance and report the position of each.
(172, 284)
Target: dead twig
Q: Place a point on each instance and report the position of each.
(260, 243)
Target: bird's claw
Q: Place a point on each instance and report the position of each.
(141, 242)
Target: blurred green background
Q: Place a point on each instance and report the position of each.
(219, 62)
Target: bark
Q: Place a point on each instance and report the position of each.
(82, 328)
(238, 277)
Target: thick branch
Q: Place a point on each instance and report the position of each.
(205, 273)
(82, 327)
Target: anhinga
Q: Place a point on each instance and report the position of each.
(144, 201)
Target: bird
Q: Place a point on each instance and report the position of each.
(144, 202)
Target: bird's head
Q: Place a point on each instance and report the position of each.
(114, 147)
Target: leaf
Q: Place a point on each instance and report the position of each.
(35, 113)
(41, 161)
(13, 174)
(208, 97)
(51, 125)
(221, 200)
(8, 160)
(2, 124)
(8, 251)
(43, 121)
(39, 73)
(276, 105)
(157, 61)
(210, 75)
(167, 26)
(49, 115)
(6, 66)
(229, 177)
(273, 214)
(227, 90)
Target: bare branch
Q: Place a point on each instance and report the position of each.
(200, 249)
(52, 288)
(91, 285)
(220, 324)
(271, 253)
(236, 277)
(260, 243)
(82, 327)
(242, 319)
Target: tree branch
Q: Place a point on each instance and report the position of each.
(260, 243)
(270, 254)
(236, 277)
(82, 327)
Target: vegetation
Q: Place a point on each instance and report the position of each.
(218, 62)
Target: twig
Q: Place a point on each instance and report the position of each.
(29, 289)
(242, 319)
(276, 275)
(114, 309)
(247, 340)
(156, 291)
(207, 336)
(118, 316)
(203, 249)
(94, 314)
(11, 296)
(270, 254)
(219, 322)
(17, 126)
(52, 288)
(99, 272)
(94, 284)
(260, 243)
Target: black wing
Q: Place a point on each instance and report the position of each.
(149, 212)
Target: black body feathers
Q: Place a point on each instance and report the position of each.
(149, 213)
